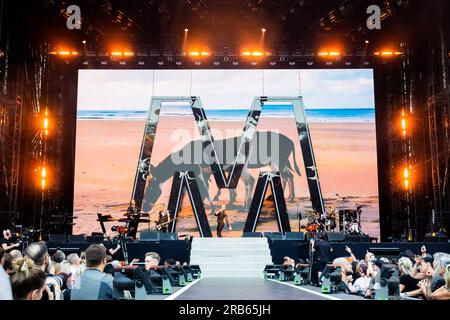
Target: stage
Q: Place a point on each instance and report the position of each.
(181, 249)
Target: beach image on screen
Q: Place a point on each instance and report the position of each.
(113, 106)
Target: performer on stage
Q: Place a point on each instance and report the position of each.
(163, 219)
(221, 218)
(132, 209)
(6, 242)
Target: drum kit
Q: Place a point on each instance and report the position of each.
(341, 220)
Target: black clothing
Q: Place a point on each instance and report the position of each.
(221, 217)
(7, 242)
(132, 210)
(409, 282)
(322, 251)
(162, 221)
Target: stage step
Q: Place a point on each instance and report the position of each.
(231, 257)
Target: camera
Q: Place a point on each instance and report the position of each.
(120, 229)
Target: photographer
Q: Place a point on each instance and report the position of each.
(6, 242)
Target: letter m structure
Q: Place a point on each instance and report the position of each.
(227, 176)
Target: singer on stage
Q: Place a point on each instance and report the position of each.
(222, 218)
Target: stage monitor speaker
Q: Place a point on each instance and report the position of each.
(436, 238)
(385, 251)
(94, 239)
(358, 238)
(56, 237)
(252, 234)
(168, 235)
(274, 235)
(78, 238)
(299, 236)
(336, 236)
(146, 235)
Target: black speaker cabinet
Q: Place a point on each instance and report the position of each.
(299, 236)
(336, 236)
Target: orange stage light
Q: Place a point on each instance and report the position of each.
(331, 53)
(255, 53)
(116, 53)
(128, 54)
(387, 53)
(64, 53)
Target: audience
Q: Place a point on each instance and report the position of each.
(94, 284)
(27, 280)
(361, 284)
(34, 275)
(443, 293)
(151, 260)
(5, 284)
(15, 254)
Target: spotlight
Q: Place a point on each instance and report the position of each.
(387, 53)
(309, 63)
(292, 62)
(235, 62)
(85, 63)
(263, 30)
(216, 62)
(348, 62)
(104, 62)
(366, 63)
(178, 62)
(160, 62)
(84, 41)
(186, 30)
(141, 63)
(122, 63)
(329, 63)
(366, 42)
(272, 62)
(254, 63)
(197, 63)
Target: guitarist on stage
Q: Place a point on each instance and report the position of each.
(163, 220)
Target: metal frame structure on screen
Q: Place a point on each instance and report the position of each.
(219, 170)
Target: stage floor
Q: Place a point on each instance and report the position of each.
(250, 289)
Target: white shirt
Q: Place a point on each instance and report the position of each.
(361, 285)
(5, 286)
